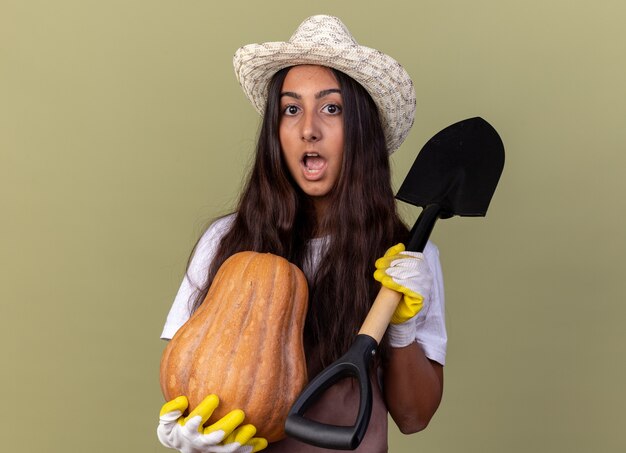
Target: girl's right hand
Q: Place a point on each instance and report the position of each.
(188, 435)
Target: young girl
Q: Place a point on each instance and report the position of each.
(320, 195)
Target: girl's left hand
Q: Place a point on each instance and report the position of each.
(409, 274)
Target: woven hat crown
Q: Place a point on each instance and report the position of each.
(323, 30)
(325, 41)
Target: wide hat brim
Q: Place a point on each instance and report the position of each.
(324, 40)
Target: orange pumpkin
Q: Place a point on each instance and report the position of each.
(244, 343)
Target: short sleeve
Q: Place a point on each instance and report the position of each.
(195, 277)
(431, 332)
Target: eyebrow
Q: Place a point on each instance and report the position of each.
(319, 95)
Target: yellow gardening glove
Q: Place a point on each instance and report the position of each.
(409, 274)
(188, 434)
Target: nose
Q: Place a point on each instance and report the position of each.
(311, 131)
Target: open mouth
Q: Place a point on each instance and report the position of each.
(313, 163)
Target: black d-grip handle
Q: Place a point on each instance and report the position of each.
(354, 363)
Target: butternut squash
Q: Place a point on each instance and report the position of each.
(244, 343)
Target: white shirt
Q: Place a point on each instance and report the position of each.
(430, 328)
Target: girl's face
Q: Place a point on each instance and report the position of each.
(311, 129)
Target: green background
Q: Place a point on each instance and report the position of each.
(124, 131)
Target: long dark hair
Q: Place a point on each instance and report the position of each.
(275, 216)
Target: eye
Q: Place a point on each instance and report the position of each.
(332, 109)
(291, 110)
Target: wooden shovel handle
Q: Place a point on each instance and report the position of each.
(387, 300)
(380, 314)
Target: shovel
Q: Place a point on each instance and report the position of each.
(455, 173)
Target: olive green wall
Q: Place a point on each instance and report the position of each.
(123, 131)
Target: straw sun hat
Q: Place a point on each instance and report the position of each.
(325, 40)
